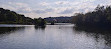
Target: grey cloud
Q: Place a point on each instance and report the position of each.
(67, 11)
(40, 11)
(44, 11)
(49, 10)
(22, 11)
(61, 2)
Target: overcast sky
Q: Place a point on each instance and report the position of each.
(53, 8)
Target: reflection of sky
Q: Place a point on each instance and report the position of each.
(46, 8)
(52, 37)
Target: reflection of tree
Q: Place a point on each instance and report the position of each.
(108, 39)
(97, 33)
(93, 29)
(7, 30)
(40, 27)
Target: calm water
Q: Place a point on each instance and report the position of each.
(53, 37)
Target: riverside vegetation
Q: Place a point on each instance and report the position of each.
(100, 17)
(11, 17)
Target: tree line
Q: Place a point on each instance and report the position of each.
(61, 19)
(100, 17)
(11, 17)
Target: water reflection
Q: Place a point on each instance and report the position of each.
(54, 37)
(97, 33)
(7, 30)
(40, 27)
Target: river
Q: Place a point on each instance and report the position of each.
(52, 37)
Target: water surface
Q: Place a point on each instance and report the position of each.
(52, 37)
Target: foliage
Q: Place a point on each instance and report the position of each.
(100, 17)
(11, 17)
(61, 19)
(39, 22)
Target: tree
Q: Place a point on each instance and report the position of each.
(100, 17)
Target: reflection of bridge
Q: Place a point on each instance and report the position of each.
(59, 23)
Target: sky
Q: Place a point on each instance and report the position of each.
(51, 8)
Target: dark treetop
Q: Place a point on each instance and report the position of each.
(100, 17)
(11, 17)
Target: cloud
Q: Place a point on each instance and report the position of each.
(69, 7)
(7, 7)
(24, 10)
(61, 2)
(40, 11)
(44, 4)
(44, 10)
(50, 10)
(77, 7)
(88, 0)
(20, 7)
(17, 3)
(67, 11)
